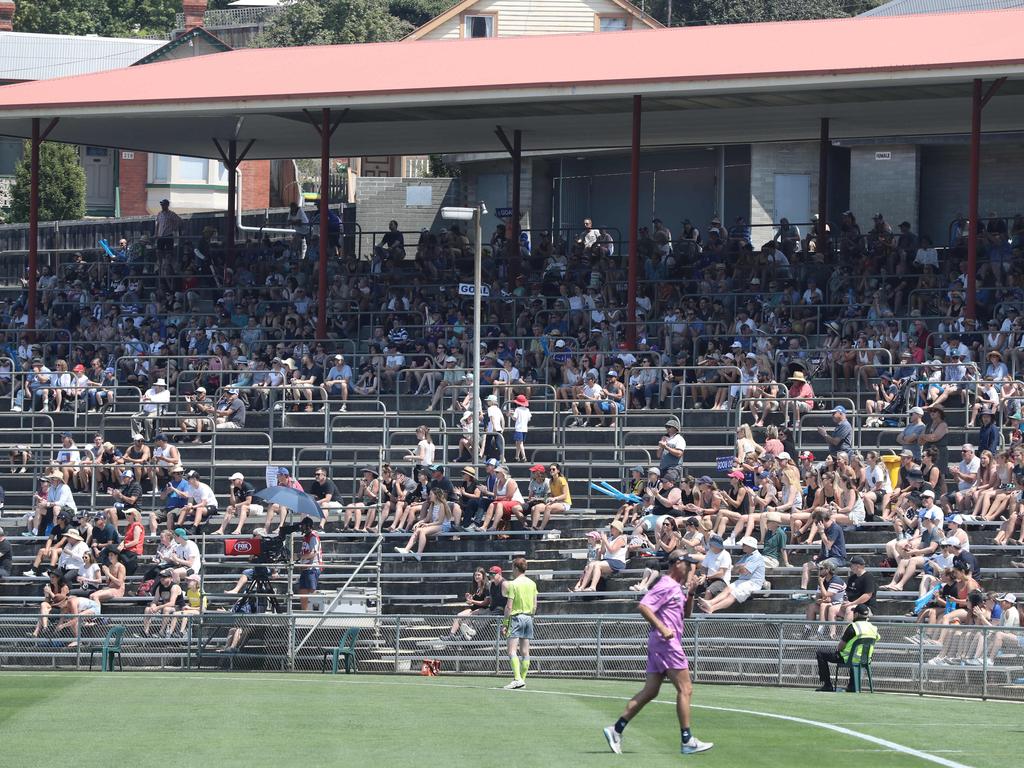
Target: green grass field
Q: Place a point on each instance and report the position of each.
(182, 720)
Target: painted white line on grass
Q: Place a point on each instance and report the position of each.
(888, 745)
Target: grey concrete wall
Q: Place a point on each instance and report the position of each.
(944, 178)
(380, 199)
(889, 186)
(767, 160)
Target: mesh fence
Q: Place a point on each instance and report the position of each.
(965, 661)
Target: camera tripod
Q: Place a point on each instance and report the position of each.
(257, 589)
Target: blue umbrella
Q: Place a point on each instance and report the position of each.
(298, 502)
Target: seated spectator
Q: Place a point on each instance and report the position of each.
(165, 456)
(195, 604)
(436, 518)
(284, 478)
(749, 572)
(715, 570)
(126, 497)
(201, 505)
(69, 459)
(230, 411)
(326, 493)
(557, 501)
(105, 537)
(833, 546)
(185, 560)
(154, 402)
(367, 499)
(612, 559)
(338, 381)
(75, 609)
(831, 594)
(58, 499)
(202, 415)
(859, 628)
(913, 554)
(860, 590)
(508, 501)
(112, 578)
(167, 600)
(132, 546)
(478, 602)
(6, 557)
(240, 504)
(139, 458)
(71, 560)
(55, 597)
(55, 543)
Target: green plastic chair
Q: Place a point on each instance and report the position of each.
(859, 659)
(346, 650)
(111, 649)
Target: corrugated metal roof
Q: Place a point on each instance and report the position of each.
(914, 7)
(31, 56)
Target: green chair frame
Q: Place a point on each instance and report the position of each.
(859, 660)
(345, 650)
(111, 650)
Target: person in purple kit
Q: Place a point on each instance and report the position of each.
(662, 608)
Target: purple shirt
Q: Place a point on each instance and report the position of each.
(667, 601)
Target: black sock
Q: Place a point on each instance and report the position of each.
(685, 735)
(620, 724)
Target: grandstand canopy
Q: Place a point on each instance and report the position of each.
(872, 76)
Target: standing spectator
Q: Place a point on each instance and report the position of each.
(494, 442)
(166, 226)
(310, 563)
(840, 439)
(298, 221)
(671, 447)
(910, 437)
(521, 424)
(423, 457)
(240, 503)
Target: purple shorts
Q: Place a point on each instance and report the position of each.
(661, 658)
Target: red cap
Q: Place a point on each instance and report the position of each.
(736, 474)
(806, 455)
(521, 400)
(79, 368)
(494, 569)
(538, 468)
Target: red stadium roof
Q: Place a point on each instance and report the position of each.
(438, 89)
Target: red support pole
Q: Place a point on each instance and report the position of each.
(325, 187)
(972, 201)
(229, 232)
(33, 226)
(634, 225)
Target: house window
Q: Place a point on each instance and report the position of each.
(612, 23)
(193, 169)
(478, 26)
(160, 168)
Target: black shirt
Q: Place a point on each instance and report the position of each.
(242, 492)
(132, 490)
(320, 490)
(856, 586)
(498, 600)
(6, 558)
(104, 535)
(445, 485)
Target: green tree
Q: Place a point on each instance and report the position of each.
(333, 22)
(111, 18)
(418, 12)
(742, 11)
(61, 184)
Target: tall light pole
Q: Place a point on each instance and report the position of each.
(476, 215)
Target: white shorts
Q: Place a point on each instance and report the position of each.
(770, 562)
(742, 590)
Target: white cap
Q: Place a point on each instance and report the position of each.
(1007, 597)
(237, 476)
(918, 410)
(749, 541)
(928, 495)
(784, 456)
(560, 343)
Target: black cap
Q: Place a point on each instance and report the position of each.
(861, 610)
(307, 521)
(858, 560)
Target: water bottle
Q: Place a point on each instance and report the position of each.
(950, 606)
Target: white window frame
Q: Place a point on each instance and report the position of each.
(492, 22)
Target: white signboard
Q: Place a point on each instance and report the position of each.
(418, 195)
(127, 155)
(883, 155)
(466, 289)
(271, 477)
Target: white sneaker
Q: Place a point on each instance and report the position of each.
(515, 685)
(467, 631)
(344, 408)
(694, 745)
(16, 409)
(973, 662)
(29, 572)
(614, 739)
(730, 542)
(938, 661)
(402, 550)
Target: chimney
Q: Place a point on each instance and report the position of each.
(194, 12)
(7, 9)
